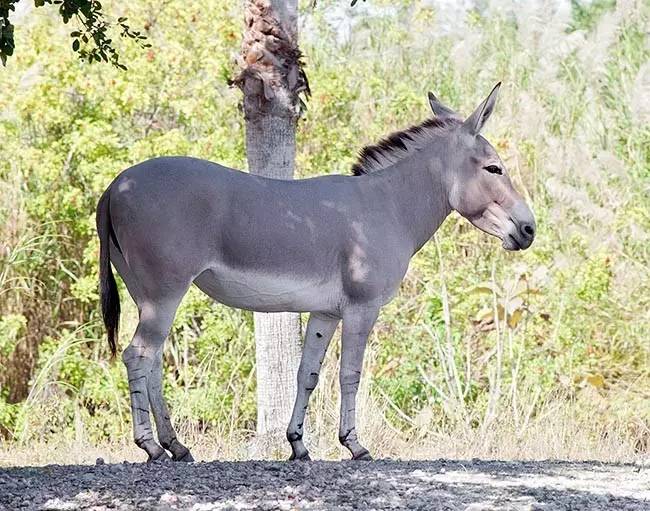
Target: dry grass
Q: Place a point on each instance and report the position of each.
(556, 433)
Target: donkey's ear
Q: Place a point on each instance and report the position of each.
(475, 122)
(438, 108)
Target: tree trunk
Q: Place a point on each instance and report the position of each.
(271, 79)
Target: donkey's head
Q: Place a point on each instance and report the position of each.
(477, 183)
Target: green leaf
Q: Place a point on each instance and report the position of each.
(485, 314)
(486, 288)
(514, 318)
(596, 380)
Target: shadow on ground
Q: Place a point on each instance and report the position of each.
(385, 484)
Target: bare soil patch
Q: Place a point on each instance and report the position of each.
(385, 484)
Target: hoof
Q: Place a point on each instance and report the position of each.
(185, 458)
(161, 456)
(363, 455)
(302, 457)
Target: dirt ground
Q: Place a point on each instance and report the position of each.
(386, 484)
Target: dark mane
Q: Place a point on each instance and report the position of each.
(397, 145)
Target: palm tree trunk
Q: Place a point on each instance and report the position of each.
(271, 79)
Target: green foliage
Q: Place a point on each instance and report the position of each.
(12, 326)
(586, 14)
(471, 324)
(92, 41)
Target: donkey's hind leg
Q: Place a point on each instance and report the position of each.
(155, 322)
(166, 433)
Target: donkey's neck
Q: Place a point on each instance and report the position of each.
(417, 194)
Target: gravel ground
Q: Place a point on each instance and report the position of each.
(386, 484)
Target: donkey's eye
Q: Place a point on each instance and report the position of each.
(493, 169)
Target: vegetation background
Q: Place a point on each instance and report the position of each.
(484, 353)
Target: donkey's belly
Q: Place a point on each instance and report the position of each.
(263, 292)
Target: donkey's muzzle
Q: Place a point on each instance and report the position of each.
(525, 229)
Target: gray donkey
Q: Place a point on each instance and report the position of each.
(334, 246)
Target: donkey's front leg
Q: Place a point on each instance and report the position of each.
(320, 330)
(357, 324)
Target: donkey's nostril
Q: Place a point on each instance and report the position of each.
(528, 230)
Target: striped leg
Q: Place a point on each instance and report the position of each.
(357, 325)
(139, 357)
(320, 330)
(166, 433)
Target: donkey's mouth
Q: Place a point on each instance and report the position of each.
(511, 243)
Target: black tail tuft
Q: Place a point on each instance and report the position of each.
(110, 297)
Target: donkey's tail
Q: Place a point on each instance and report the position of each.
(110, 297)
